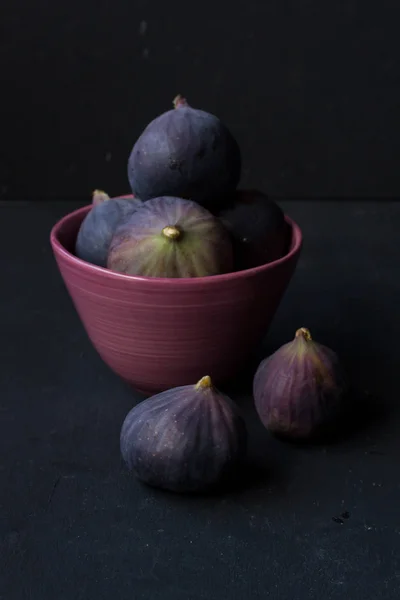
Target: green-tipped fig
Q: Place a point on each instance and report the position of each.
(171, 237)
(187, 439)
(298, 390)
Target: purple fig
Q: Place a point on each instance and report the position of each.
(186, 153)
(99, 196)
(298, 390)
(98, 227)
(258, 228)
(187, 439)
(171, 237)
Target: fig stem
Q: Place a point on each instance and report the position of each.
(204, 383)
(172, 232)
(179, 101)
(100, 193)
(304, 333)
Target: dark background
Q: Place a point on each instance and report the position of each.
(310, 89)
(312, 92)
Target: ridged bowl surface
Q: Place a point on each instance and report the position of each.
(160, 333)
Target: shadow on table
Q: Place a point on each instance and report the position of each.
(362, 413)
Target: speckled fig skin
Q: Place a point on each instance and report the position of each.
(171, 237)
(187, 439)
(299, 389)
(257, 226)
(98, 227)
(187, 153)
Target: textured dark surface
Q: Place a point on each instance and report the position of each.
(310, 89)
(74, 525)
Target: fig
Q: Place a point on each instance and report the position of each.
(186, 439)
(99, 196)
(171, 237)
(185, 152)
(98, 227)
(258, 228)
(298, 390)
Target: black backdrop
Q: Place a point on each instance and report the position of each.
(311, 90)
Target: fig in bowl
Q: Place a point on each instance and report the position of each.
(159, 333)
(258, 228)
(185, 152)
(99, 225)
(171, 237)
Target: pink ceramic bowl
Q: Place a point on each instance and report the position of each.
(160, 333)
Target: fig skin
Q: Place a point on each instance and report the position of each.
(299, 390)
(171, 237)
(98, 227)
(258, 228)
(187, 439)
(187, 153)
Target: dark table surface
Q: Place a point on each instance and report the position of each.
(74, 524)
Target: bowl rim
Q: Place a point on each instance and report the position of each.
(73, 260)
